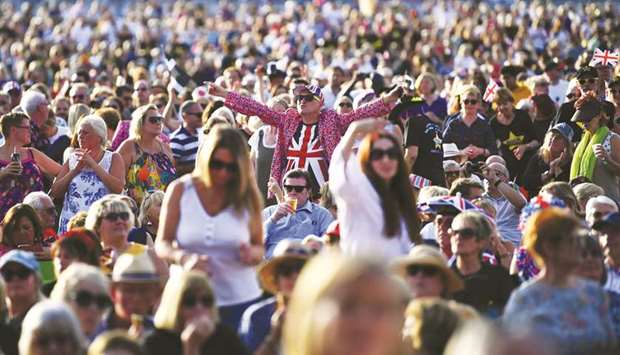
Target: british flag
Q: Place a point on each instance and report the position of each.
(305, 152)
(605, 57)
(489, 93)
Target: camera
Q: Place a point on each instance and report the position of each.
(470, 168)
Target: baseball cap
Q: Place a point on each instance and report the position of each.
(587, 111)
(21, 257)
(565, 130)
(610, 220)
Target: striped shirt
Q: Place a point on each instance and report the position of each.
(184, 145)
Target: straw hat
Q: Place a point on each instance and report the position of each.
(285, 250)
(137, 268)
(430, 256)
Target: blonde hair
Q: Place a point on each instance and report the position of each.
(469, 90)
(425, 75)
(76, 111)
(108, 203)
(168, 315)
(545, 149)
(321, 276)
(137, 120)
(148, 201)
(71, 278)
(97, 124)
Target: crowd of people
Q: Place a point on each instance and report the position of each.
(309, 178)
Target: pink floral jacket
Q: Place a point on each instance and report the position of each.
(332, 126)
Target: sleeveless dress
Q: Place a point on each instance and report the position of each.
(85, 188)
(148, 172)
(13, 189)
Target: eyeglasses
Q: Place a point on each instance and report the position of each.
(378, 154)
(470, 102)
(3, 103)
(220, 165)
(291, 188)
(305, 98)
(85, 299)
(425, 270)
(465, 233)
(155, 119)
(57, 338)
(571, 96)
(113, 216)
(289, 268)
(10, 274)
(345, 104)
(190, 301)
(587, 81)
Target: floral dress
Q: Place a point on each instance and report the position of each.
(83, 190)
(14, 189)
(149, 172)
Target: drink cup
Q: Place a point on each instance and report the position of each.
(293, 203)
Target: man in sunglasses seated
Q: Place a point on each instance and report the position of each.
(295, 217)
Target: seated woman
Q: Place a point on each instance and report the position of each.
(376, 203)
(187, 321)
(566, 310)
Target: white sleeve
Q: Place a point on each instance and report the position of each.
(253, 141)
(346, 179)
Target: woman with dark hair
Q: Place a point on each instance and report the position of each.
(21, 229)
(222, 194)
(544, 110)
(376, 204)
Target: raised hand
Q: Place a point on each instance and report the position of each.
(216, 90)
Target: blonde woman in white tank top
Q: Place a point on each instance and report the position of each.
(211, 221)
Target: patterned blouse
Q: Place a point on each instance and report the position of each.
(13, 189)
(149, 172)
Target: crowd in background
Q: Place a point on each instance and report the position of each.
(325, 177)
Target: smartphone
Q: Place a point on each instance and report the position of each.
(16, 157)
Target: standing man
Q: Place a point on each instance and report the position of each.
(35, 106)
(185, 140)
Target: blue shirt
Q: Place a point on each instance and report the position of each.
(309, 219)
(256, 323)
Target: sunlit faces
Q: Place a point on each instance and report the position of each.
(470, 103)
(89, 302)
(557, 143)
(464, 237)
(297, 188)
(21, 132)
(133, 298)
(87, 138)
(384, 158)
(23, 233)
(424, 281)
(152, 123)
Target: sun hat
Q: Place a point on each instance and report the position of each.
(285, 250)
(429, 256)
(138, 268)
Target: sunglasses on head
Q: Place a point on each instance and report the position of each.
(10, 274)
(587, 81)
(190, 301)
(288, 268)
(465, 233)
(470, 101)
(113, 216)
(426, 270)
(220, 165)
(345, 104)
(291, 188)
(378, 154)
(305, 98)
(85, 299)
(155, 119)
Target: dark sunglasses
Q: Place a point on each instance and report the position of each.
(426, 270)
(378, 154)
(113, 216)
(3, 103)
(470, 102)
(78, 96)
(57, 338)
(85, 299)
(465, 233)
(571, 96)
(305, 98)
(20, 273)
(197, 114)
(155, 119)
(617, 121)
(345, 104)
(587, 81)
(291, 188)
(190, 301)
(289, 268)
(220, 165)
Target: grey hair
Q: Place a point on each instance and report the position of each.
(34, 199)
(98, 126)
(597, 201)
(31, 100)
(50, 317)
(76, 273)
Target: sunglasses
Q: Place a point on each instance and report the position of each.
(465, 233)
(345, 104)
(113, 216)
(378, 154)
(57, 338)
(305, 98)
(470, 102)
(291, 188)
(197, 114)
(289, 268)
(85, 299)
(190, 301)
(587, 81)
(155, 119)
(4, 103)
(20, 273)
(220, 165)
(78, 96)
(426, 270)
(571, 96)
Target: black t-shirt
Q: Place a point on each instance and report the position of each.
(223, 341)
(426, 135)
(540, 129)
(564, 115)
(519, 131)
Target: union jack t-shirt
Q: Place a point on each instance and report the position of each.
(306, 152)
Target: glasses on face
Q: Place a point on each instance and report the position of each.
(220, 165)
(587, 81)
(85, 299)
(10, 274)
(57, 338)
(425, 270)
(571, 96)
(378, 154)
(113, 216)
(78, 96)
(197, 114)
(296, 188)
(452, 174)
(345, 104)
(305, 98)
(464, 233)
(4, 103)
(190, 301)
(155, 119)
(470, 101)
(289, 268)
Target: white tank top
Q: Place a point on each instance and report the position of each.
(219, 238)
